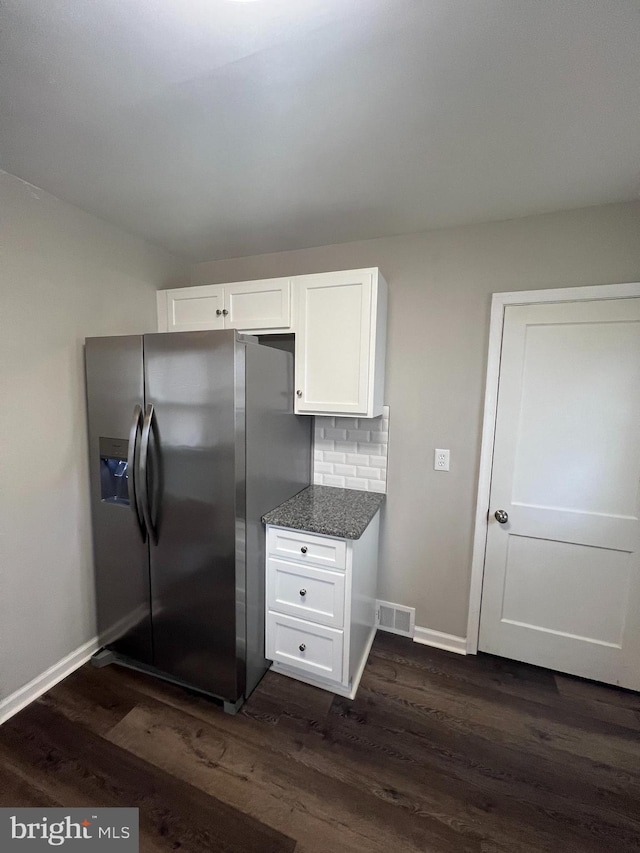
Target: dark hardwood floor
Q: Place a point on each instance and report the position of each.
(437, 753)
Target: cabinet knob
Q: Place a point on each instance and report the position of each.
(303, 592)
(225, 312)
(218, 312)
(302, 647)
(299, 393)
(304, 549)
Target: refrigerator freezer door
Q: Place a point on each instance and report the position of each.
(278, 466)
(114, 390)
(195, 480)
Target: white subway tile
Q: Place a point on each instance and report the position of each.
(369, 473)
(352, 452)
(367, 448)
(332, 480)
(323, 468)
(356, 483)
(337, 434)
(358, 435)
(346, 446)
(346, 423)
(357, 459)
(345, 470)
(377, 461)
(318, 479)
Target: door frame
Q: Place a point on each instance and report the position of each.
(499, 301)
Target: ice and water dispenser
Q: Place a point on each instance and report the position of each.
(114, 476)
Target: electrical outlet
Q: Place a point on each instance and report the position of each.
(441, 460)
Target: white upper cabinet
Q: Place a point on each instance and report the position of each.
(189, 309)
(340, 343)
(340, 322)
(254, 306)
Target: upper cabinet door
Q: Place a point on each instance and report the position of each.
(340, 343)
(258, 305)
(190, 309)
(251, 306)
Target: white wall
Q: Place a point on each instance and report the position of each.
(439, 295)
(64, 275)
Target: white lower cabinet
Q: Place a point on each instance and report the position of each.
(321, 594)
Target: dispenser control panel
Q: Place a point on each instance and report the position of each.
(114, 475)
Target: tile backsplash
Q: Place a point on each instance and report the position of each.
(352, 452)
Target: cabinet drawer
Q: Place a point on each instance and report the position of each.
(306, 592)
(308, 548)
(309, 648)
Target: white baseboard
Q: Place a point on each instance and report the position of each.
(46, 680)
(448, 642)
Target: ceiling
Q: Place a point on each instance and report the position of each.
(219, 129)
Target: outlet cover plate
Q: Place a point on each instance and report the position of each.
(440, 459)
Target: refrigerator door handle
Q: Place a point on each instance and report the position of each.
(136, 427)
(144, 472)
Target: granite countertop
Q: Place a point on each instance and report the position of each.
(344, 513)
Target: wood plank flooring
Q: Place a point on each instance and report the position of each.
(438, 753)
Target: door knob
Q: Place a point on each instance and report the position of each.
(501, 516)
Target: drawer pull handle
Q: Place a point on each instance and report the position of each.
(304, 549)
(303, 592)
(302, 647)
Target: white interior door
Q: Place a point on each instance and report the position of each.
(561, 585)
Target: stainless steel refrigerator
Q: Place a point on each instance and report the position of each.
(192, 438)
